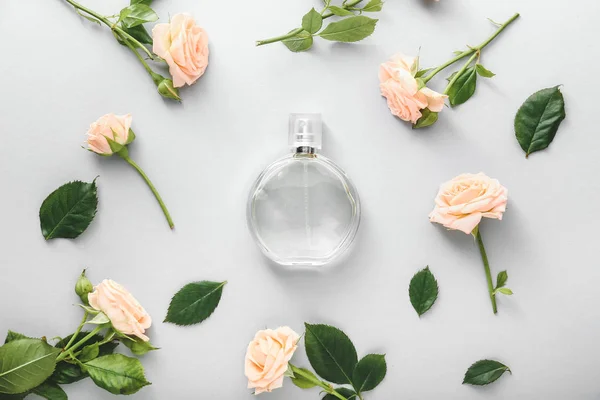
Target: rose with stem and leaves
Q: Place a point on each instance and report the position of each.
(111, 134)
(353, 26)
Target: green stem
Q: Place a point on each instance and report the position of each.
(311, 378)
(296, 31)
(471, 50)
(460, 71)
(71, 349)
(125, 155)
(486, 266)
(111, 25)
(85, 315)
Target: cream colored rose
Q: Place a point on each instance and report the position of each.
(268, 356)
(109, 126)
(125, 313)
(184, 46)
(463, 201)
(401, 89)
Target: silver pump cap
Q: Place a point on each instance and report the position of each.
(306, 130)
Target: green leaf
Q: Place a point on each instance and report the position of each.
(463, 88)
(137, 14)
(428, 118)
(339, 11)
(369, 372)
(481, 70)
(66, 373)
(50, 391)
(89, 353)
(330, 352)
(20, 396)
(420, 83)
(312, 21)
(138, 346)
(300, 42)
(194, 302)
(422, 72)
(138, 32)
(10, 336)
(423, 291)
(25, 364)
(69, 210)
(99, 319)
(146, 2)
(373, 6)
(351, 29)
(301, 381)
(347, 393)
(117, 373)
(505, 291)
(501, 279)
(538, 119)
(484, 372)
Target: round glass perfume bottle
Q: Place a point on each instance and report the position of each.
(303, 209)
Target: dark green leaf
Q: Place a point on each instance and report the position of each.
(117, 373)
(369, 372)
(137, 14)
(484, 372)
(422, 72)
(330, 352)
(10, 336)
(423, 291)
(351, 29)
(138, 32)
(463, 88)
(106, 348)
(69, 210)
(66, 373)
(25, 364)
(138, 346)
(301, 381)
(50, 391)
(347, 393)
(194, 302)
(339, 11)
(20, 396)
(501, 279)
(428, 118)
(300, 42)
(373, 6)
(538, 119)
(312, 21)
(89, 352)
(481, 70)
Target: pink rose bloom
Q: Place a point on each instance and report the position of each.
(400, 87)
(184, 46)
(268, 356)
(109, 126)
(463, 201)
(125, 313)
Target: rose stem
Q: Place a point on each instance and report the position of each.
(79, 344)
(460, 72)
(470, 50)
(85, 315)
(308, 377)
(111, 25)
(125, 155)
(486, 266)
(155, 77)
(296, 31)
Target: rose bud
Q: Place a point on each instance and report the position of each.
(83, 287)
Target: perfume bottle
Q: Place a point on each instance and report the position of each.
(303, 209)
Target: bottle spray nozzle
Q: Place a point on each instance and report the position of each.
(306, 130)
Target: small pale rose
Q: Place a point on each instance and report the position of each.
(184, 46)
(401, 89)
(463, 201)
(109, 126)
(125, 313)
(268, 356)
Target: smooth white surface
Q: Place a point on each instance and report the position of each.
(59, 73)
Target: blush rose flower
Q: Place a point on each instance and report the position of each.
(401, 89)
(268, 356)
(463, 201)
(184, 46)
(125, 313)
(109, 127)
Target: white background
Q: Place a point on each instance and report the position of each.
(60, 72)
